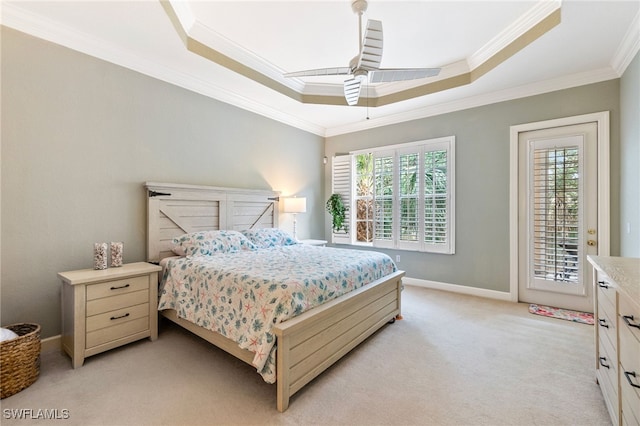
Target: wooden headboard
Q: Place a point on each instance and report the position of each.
(176, 209)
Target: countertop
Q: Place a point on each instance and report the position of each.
(624, 273)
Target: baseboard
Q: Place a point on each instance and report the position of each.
(51, 344)
(455, 288)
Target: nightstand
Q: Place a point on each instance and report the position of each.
(107, 308)
(314, 242)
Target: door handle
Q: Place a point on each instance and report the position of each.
(591, 242)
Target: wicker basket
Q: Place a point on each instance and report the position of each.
(19, 359)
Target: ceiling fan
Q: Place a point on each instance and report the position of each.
(367, 62)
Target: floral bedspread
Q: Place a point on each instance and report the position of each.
(242, 295)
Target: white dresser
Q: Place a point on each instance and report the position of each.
(617, 333)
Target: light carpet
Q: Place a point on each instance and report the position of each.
(453, 360)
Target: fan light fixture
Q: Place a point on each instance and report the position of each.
(367, 63)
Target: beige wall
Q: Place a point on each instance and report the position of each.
(80, 137)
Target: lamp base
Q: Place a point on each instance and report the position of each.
(295, 237)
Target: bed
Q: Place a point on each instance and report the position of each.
(300, 343)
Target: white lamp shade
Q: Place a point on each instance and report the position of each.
(295, 205)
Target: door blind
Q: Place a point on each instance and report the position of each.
(555, 221)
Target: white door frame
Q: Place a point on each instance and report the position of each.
(604, 208)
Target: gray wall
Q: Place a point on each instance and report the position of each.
(630, 160)
(80, 137)
(482, 177)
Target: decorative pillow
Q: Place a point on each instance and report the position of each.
(206, 243)
(269, 237)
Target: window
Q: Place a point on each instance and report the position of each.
(403, 197)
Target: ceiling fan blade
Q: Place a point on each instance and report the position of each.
(320, 72)
(352, 90)
(371, 52)
(401, 74)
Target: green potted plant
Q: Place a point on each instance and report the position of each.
(337, 209)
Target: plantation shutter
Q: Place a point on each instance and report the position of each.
(409, 200)
(384, 191)
(341, 184)
(436, 200)
(555, 219)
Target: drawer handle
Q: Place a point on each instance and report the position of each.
(121, 316)
(603, 323)
(122, 286)
(602, 284)
(627, 374)
(602, 360)
(627, 320)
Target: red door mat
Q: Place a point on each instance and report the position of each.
(565, 314)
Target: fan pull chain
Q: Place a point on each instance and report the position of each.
(367, 86)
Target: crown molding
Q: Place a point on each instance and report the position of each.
(206, 42)
(520, 26)
(46, 29)
(629, 47)
(35, 25)
(552, 85)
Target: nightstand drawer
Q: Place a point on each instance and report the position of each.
(119, 316)
(109, 334)
(111, 288)
(106, 304)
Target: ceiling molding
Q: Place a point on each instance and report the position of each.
(44, 28)
(521, 26)
(35, 25)
(552, 85)
(211, 45)
(628, 48)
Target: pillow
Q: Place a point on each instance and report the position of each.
(207, 243)
(269, 237)
(6, 334)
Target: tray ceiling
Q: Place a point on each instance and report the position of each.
(236, 51)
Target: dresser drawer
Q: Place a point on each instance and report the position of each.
(629, 415)
(630, 318)
(630, 372)
(606, 323)
(119, 316)
(109, 334)
(608, 367)
(116, 287)
(606, 292)
(610, 394)
(107, 304)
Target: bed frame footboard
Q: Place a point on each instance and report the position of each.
(310, 343)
